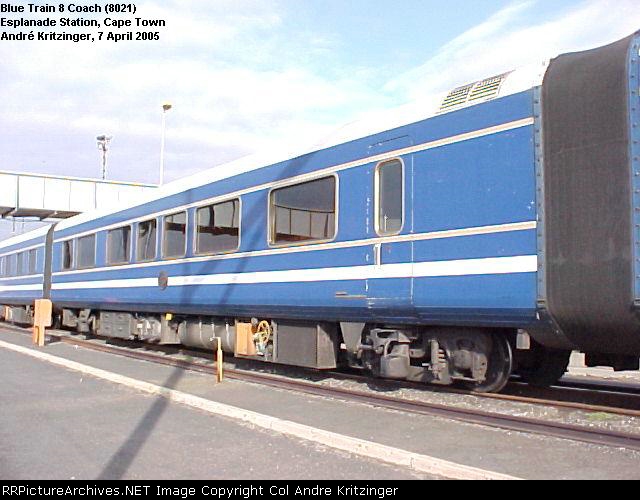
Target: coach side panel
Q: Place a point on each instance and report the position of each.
(22, 272)
(475, 223)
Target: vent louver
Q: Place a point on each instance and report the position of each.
(483, 90)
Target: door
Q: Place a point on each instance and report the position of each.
(389, 283)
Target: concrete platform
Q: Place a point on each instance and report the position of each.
(70, 425)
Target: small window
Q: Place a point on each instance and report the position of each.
(146, 240)
(33, 261)
(67, 255)
(86, 252)
(118, 245)
(389, 182)
(3, 261)
(24, 269)
(304, 212)
(20, 265)
(175, 235)
(218, 228)
(10, 268)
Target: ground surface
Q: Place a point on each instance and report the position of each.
(56, 423)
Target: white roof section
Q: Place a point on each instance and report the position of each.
(517, 81)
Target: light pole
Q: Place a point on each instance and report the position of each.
(103, 146)
(165, 107)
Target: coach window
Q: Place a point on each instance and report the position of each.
(67, 255)
(87, 251)
(304, 212)
(175, 236)
(218, 228)
(146, 248)
(118, 245)
(390, 198)
(20, 265)
(33, 261)
(11, 265)
(3, 261)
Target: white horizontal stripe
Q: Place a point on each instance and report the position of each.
(476, 134)
(30, 276)
(468, 267)
(20, 288)
(438, 235)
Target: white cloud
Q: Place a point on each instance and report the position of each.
(507, 41)
(241, 81)
(226, 102)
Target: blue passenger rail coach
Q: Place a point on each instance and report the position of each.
(490, 235)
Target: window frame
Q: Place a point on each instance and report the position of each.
(7, 265)
(196, 227)
(186, 235)
(20, 263)
(77, 249)
(377, 193)
(33, 267)
(106, 256)
(72, 255)
(155, 253)
(271, 213)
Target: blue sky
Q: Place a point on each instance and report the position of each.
(246, 74)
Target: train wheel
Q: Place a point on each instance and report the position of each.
(499, 367)
(544, 367)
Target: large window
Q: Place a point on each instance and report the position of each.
(218, 228)
(86, 251)
(146, 244)
(67, 255)
(304, 212)
(390, 202)
(118, 245)
(175, 236)
(33, 261)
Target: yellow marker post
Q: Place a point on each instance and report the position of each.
(219, 374)
(41, 320)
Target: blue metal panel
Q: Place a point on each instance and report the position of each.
(101, 249)
(486, 246)
(504, 299)
(490, 114)
(40, 258)
(355, 206)
(480, 182)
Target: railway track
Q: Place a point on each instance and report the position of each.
(593, 435)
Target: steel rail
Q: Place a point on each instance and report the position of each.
(528, 425)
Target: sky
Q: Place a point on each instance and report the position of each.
(245, 75)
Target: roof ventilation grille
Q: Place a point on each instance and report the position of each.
(484, 90)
